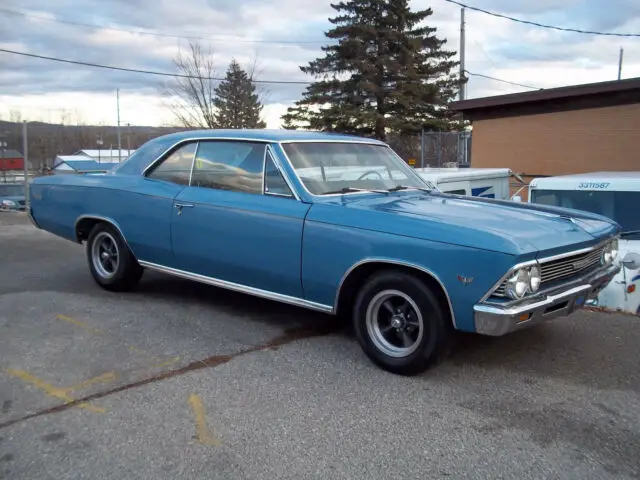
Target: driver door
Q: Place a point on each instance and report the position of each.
(229, 225)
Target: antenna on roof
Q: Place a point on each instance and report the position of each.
(118, 130)
(620, 63)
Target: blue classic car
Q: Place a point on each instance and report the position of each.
(333, 223)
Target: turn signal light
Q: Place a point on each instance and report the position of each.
(631, 288)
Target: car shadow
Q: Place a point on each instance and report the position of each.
(177, 290)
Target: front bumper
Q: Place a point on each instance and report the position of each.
(496, 320)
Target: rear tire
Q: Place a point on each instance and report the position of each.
(111, 262)
(400, 324)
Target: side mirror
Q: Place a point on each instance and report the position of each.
(516, 198)
(631, 260)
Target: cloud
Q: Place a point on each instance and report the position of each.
(280, 35)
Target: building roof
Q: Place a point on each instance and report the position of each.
(104, 152)
(8, 153)
(589, 95)
(80, 164)
(72, 158)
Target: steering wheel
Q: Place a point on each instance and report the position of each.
(368, 172)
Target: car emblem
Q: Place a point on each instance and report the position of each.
(579, 264)
(465, 280)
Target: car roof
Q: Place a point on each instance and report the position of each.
(269, 135)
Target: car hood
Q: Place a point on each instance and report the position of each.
(506, 226)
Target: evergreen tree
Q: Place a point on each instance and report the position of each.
(386, 75)
(236, 101)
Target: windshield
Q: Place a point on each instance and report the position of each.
(327, 168)
(621, 207)
(11, 190)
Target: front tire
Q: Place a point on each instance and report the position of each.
(400, 324)
(111, 262)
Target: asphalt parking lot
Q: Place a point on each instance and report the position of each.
(180, 380)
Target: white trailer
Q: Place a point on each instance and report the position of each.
(477, 182)
(615, 195)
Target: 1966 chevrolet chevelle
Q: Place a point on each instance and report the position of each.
(333, 223)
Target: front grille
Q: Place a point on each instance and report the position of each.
(569, 267)
(566, 268)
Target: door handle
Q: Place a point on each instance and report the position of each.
(180, 206)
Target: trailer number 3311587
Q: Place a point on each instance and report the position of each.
(599, 185)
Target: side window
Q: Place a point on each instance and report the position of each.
(229, 165)
(176, 167)
(274, 182)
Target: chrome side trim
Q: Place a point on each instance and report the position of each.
(278, 297)
(394, 262)
(104, 219)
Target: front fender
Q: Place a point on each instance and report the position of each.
(331, 252)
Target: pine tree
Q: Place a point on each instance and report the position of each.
(386, 75)
(236, 101)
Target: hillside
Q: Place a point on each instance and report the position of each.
(46, 140)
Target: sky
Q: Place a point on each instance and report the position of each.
(279, 36)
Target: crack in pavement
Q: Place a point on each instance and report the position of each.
(289, 336)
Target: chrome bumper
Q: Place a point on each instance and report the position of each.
(496, 320)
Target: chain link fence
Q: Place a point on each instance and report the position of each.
(434, 149)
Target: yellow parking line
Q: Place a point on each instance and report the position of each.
(50, 389)
(80, 324)
(104, 378)
(202, 430)
(141, 352)
(98, 331)
(165, 363)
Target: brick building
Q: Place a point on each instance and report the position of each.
(11, 160)
(557, 131)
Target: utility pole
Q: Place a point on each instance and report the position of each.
(119, 139)
(128, 139)
(620, 63)
(462, 45)
(25, 156)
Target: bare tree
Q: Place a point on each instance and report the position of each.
(192, 94)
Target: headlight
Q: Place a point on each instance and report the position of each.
(609, 252)
(614, 249)
(535, 278)
(8, 203)
(518, 284)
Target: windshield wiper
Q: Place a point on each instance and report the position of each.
(405, 187)
(352, 189)
(630, 232)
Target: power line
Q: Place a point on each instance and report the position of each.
(179, 75)
(135, 70)
(536, 24)
(158, 34)
(501, 80)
